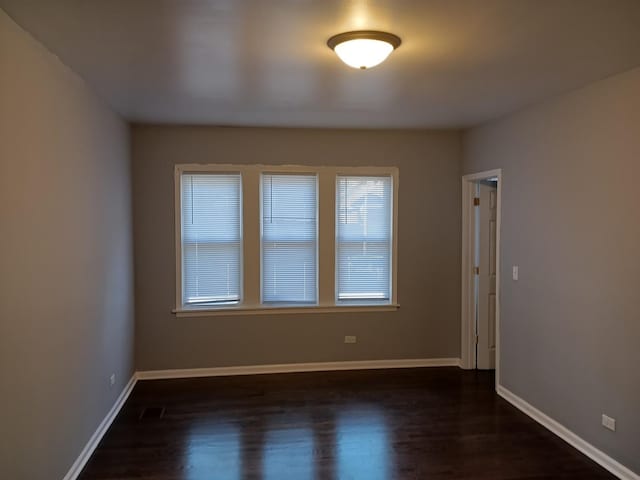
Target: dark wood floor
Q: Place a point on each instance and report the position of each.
(432, 423)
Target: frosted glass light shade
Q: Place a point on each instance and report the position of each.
(363, 49)
(363, 53)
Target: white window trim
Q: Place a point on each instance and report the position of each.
(250, 275)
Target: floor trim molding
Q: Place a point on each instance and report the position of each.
(93, 442)
(297, 367)
(568, 436)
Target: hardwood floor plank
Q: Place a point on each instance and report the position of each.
(423, 423)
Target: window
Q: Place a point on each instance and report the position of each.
(363, 239)
(289, 239)
(211, 238)
(260, 239)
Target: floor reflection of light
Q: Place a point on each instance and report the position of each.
(363, 445)
(288, 453)
(213, 452)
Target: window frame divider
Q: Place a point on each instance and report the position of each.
(251, 262)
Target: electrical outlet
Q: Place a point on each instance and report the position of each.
(112, 379)
(350, 339)
(608, 422)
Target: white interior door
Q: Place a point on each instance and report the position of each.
(486, 276)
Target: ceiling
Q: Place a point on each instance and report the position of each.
(266, 63)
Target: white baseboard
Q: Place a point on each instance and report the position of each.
(568, 436)
(93, 442)
(560, 430)
(297, 367)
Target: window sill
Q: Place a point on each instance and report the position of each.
(231, 311)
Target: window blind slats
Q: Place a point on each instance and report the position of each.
(363, 239)
(211, 238)
(289, 238)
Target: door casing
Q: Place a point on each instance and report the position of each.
(467, 350)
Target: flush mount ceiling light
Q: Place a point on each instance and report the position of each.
(363, 49)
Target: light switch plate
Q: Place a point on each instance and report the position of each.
(608, 422)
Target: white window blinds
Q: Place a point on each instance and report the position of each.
(289, 238)
(211, 238)
(363, 239)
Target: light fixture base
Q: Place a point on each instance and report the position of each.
(390, 38)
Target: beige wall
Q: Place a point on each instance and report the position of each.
(427, 324)
(571, 323)
(66, 305)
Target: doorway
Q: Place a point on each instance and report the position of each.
(481, 214)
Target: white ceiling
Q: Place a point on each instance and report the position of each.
(265, 62)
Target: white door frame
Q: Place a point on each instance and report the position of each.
(467, 351)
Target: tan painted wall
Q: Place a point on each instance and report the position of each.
(427, 324)
(66, 303)
(571, 323)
